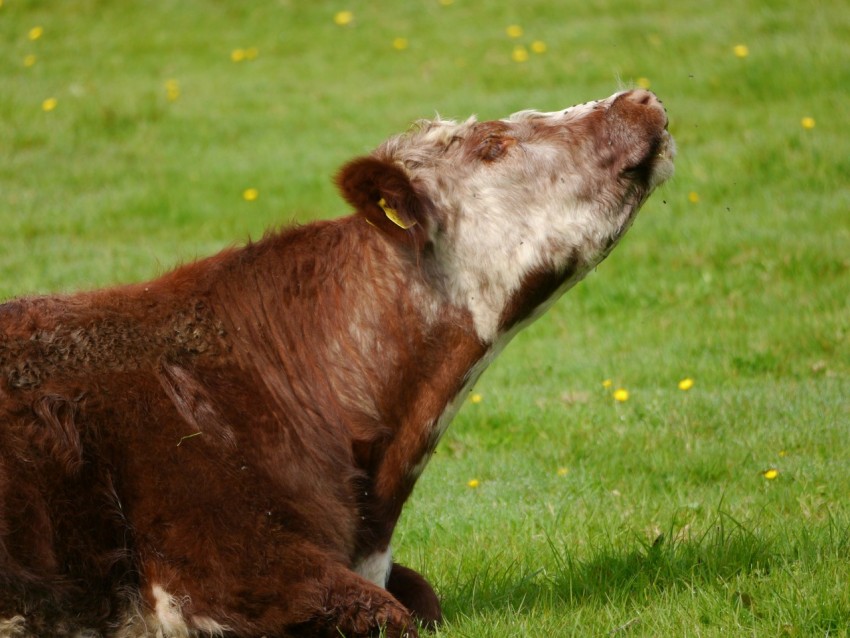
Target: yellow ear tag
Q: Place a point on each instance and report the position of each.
(393, 216)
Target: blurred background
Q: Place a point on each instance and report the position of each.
(136, 135)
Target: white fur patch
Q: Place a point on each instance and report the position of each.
(530, 211)
(209, 626)
(376, 567)
(169, 616)
(14, 627)
(574, 111)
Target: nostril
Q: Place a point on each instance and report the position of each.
(642, 97)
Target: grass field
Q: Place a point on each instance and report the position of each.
(130, 131)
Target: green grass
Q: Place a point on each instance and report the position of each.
(663, 524)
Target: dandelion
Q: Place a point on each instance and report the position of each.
(343, 18)
(237, 55)
(250, 194)
(476, 398)
(808, 122)
(538, 46)
(607, 383)
(693, 197)
(172, 90)
(621, 395)
(29, 60)
(520, 54)
(400, 44)
(35, 33)
(783, 453)
(643, 83)
(514, 31)
(49, 104)
(741, 50)
(562, 471)
(473, 483)
(686, 384)
(770, 474)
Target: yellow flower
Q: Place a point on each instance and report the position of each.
(741, 50)
(520, 54)
(250, 194)
(400, 44)
(770, 474)
(237, 55)
(783, 453)
(607, 383)
(808, 122)
(473, 483)
(562, 471)
(693, 197)
(621, 395)
(35, 33)
(49, 104)
(29, 60)
(476, 398)
(343, 18)
(172, 90)
(538, 46)
(514, 31)
(686, 384)
(643, 83)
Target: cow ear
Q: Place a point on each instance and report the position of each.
(382, 194)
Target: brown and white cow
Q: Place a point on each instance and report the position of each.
(226, 450)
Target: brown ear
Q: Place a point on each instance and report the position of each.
(382, 193)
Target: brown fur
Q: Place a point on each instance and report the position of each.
(256, 471)
(218, 450)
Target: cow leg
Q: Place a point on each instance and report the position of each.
(415, 593)
(356, 608)
(313, 595)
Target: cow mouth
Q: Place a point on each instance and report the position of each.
(637, 134)
(660, 159)
(653, 168)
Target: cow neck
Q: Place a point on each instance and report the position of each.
(351, 336)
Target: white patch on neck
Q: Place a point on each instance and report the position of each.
(488, 274)
(376, 567)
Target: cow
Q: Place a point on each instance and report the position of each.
(225, 450)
